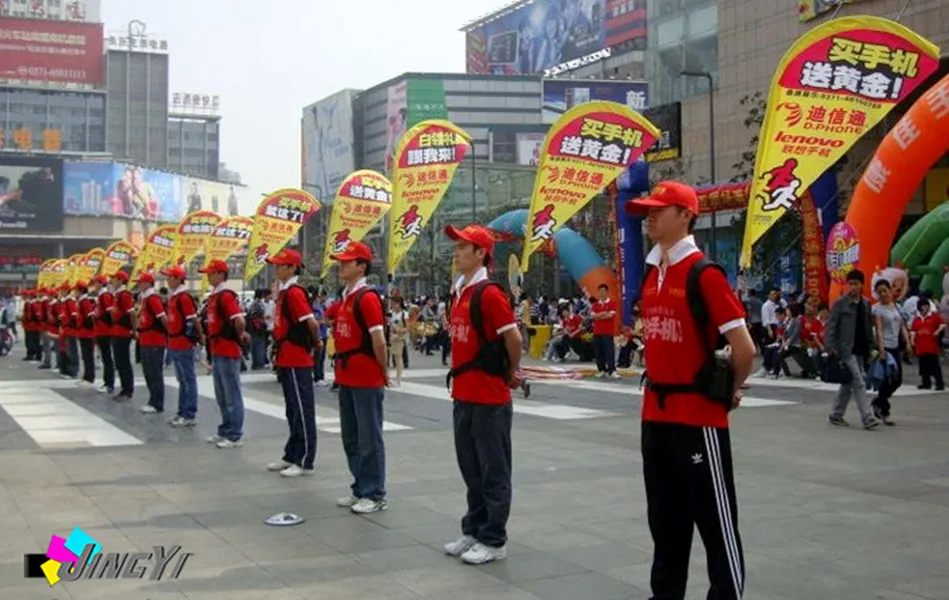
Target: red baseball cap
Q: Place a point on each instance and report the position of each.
(65, 287)
(145, 278)
(667, 193)
(81, 285)
(101, 279)
(354, 251)
(176, 271)
(121, 276)
(286, 257)
(473, 234)
(215, 266)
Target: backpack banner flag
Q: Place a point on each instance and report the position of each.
(279, 217)
(426, 159)
(228, 238)
(90, 263)
(158, 250)
(364, 197)
(56, 273)
(117, 256)
(836, 83)
(190, 235)
(72, 268)
(587, 148)
(43, 277)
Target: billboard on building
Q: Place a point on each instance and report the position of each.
(408, 103)
(328, 155)
(121, 190)
(560, 95)
(89, 11)
(555, 35)
(31, 194)
(51, 51)
(528, 148)
(668, 118)
(808, 10)
(226, 199)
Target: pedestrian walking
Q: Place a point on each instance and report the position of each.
(152, 326)
(184, 331)
(85, 333)
(226, 335)
(890, 330)
(121, 334)
(485, 358)
(362, 376)
(849, 338)
(105, 300)
(691, 386)
(296, 336)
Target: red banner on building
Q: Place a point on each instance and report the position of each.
(41, 50)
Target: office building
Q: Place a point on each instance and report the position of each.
(194, 145)
(137, 110)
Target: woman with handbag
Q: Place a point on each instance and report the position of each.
(890, 329)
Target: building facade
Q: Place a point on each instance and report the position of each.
(52, 121)
(194, 145)
(137, 108)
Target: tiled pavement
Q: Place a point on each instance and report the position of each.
(825, 513)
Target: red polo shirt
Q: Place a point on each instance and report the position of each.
(104, 303)
(497, 317)
(180, 309)
(53, 316)
(675, 351)
(124, 304)
(361, 370)
(223, 306)
(27, 315)
(298, 307)
(46, 309)
(604, 326)
(87, 308)
(572, 325)
(152, 311)
(925, 329)
(69, 318)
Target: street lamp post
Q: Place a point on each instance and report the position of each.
(711, 142)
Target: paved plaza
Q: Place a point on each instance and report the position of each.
(825, 513)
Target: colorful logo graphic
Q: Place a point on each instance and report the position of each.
(67, 550)
(411, 222)
(543, 225)
(781, 186)
(843, 251)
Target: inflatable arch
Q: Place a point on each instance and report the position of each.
(574, 252)
(928, 237)
(896, 171)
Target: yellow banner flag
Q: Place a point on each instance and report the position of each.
(73, 269)
(158, 250)
(90, 263)
(117, 256)
(364, 197)
(190, 235)
(279, 217)
(588, 147)
(228, 238)
(57, 274)
(426, 159)
(42, 278)
(836, 83)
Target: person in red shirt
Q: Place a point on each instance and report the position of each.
(105, 300)
(121, 334)
(68, 323)
(362, 375)
(925, 329)
(226, 334)
(687, 465)
(86, 333)
(296, 334)
(604, 325)
(152, 326)
(184, 330)
(485, 361)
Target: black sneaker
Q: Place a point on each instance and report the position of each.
(838, 421)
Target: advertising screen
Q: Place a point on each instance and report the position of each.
(328, 144)
(225, 199)
(560, 95)
(51, 51)
(121, 190)
(31, 194)
(408, 103)
(668, 118)
(529, 146)
(546, 34)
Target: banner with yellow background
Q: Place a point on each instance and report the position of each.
(90, 263)
(73, 272)
(158, 250)
(117, 256)
(190, 235)
(42, 277)
(426, 159)
(588, 147)
(279, 217)
(809, 10)
(835, 83)
(364, 197)
(57, 275)
(228, 238)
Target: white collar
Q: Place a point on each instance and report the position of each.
(676, 254)
(459, 287)
(146, 293)
(359, 284)
(293, 281)
(218, 288)
(121, 288)
(179, 290)
(83, 296)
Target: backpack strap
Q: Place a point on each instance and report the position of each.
(366, 346)
(228, 330)
(477, 323)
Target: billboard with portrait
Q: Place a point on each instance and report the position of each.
(42, 50)
(121, 190)
(544, 35)
(31, 194)
(226, 199)
(560, 95)
(328, 144)
(396, 118)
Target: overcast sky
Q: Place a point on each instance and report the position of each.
(267, 59)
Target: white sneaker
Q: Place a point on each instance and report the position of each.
(148, 409)
(347, 501)
(600, 375)
(178, 421)
(225, 443)
(614, 375)
(278, 465)
(323, 383)
(460, 546)
(295, 471)
(364, 506)
(214, 439)
(480, 554)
